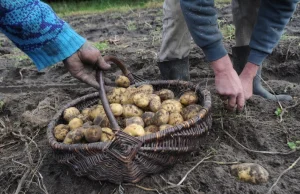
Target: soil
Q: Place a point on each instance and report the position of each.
(33, 97)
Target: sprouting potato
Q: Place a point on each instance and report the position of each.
(130, 110)
(250, 172)
(165, 126)
(147, 118)
(171, 105)
(161, 117)
(122, 81)
(191, 111)
(175, 118)
(188, 98)
(165, 94)
(148, 89)
(155, 103)
(74, 136)
(75, 123)
(151, 129)
(70, 113)
(107, 135)
(134, 120)
(96, 111)
(61, 131)
(134, 130)
(92, 133)
(116, 109)
(141, 99)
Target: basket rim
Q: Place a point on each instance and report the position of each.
(101, 146)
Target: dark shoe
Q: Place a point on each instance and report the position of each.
(175, 70)
(240, 58)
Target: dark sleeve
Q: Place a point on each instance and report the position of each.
(272, 17)
(201, 19)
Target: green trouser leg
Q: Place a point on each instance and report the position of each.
(244, 16)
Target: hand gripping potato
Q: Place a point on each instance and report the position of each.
(122, 81)
(161, 117)
(116, 109)
(70, 113)
(147, 118)
(166, 126)
(171, 105)
(148, 89)
(165, 94)
(61, 131)
(134, 120)
(75, 123)
(141, 99)
(155, 103)
(74, 136)
(151, 129)
(130, 110)
(191, 111)
(96, 111)
(250, 172)
(134, 130)
(188, 98)
(107, 134)
(92, 133)
(175, 118)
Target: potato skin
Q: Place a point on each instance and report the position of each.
(126, 98)
(74, 136)
(188, 98)
(107, 134)
(151, 129)
(171, 105)
(122, 81)
(165, 94)
(134, 120)
(175, 118)
(96, 111)
(130, 110)
(191, 111)
(117, 109)
(147, 118)
(250, 172)
(70, 113)
(141, 100)
(165, 126)
(134, 130)
(86, 112)
(75, 123)
(155, 103)
(61, 131)
(146, 88)
(161, 117)
(92, 133)
(114, 95)
(102, 121)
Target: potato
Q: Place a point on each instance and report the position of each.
(86, 112)
(116, 109)
(70, 113)
(114, 95)
(130, 110)
(75, 123)
(161, 117)
(82, 117)
(126, 98)
(165, 94)
(175, 118)
(188, 98)
(250, 172)
(147, 118)
(171, 105)
(101, 121)
(96, 111)
(60, 132)
(134, 130)
(141, 100)
(134, 120)
(92, 133)
(74, 136)
(155, 103)
(166, 126)
(122, 81)
(151, 129)
(107, 135)
(148, 89)
(191, 111)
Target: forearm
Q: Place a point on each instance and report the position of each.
(36, 30)
(201, 19)
(272, 18)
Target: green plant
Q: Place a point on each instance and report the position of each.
(294, 145)
(228, 31)
(131, 26)
(278, 111)
(102, 46)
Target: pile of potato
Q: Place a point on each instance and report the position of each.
(139, 111)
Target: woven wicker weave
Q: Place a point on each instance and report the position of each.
(129, 159)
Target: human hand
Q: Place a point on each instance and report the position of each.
(82, 64)
(247, 77)
(228, 83)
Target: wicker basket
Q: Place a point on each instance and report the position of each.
(129, 159)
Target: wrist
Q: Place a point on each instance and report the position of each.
(221, 65)
(250, 69)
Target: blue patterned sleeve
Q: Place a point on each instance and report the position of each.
(36, 30)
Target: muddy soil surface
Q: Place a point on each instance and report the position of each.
(33, 97)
